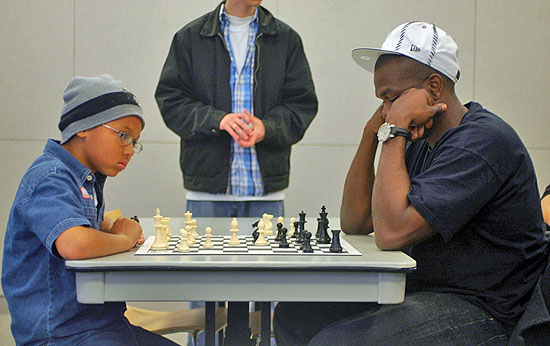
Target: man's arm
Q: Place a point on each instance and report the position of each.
(84, 242)
(355, 211)
(397, 223)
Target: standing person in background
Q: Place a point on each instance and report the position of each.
(237, 88)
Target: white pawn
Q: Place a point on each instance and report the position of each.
(261, 230)
(292, 229)
(208, 242)
(234, 230)
(281, 220)
(182, 246)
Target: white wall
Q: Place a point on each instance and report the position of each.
(45, 42)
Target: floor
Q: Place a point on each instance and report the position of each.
(7, 338)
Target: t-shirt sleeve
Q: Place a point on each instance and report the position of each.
(453, 190)
(54, 206)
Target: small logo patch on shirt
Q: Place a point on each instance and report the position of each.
(85, 193)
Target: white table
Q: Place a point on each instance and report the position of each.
(376, 276)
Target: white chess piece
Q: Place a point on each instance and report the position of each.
(188, 215)
(281, 220)
(268, 224)
(160, 242)
(292, 229)
(166, 222)
(190, 238)
(194, 228)
(234, 230)
(261, 231)
(208, 242)
(183, 246)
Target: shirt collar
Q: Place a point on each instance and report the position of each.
(224, 20)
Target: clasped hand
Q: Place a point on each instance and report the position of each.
(245, 128)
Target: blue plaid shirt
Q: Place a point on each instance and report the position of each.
(244, 177)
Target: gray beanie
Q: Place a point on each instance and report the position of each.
(90, 102)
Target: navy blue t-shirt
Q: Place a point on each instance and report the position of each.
(477, 189)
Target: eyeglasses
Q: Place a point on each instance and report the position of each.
(127, 139)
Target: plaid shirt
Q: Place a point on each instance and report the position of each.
(244, 177)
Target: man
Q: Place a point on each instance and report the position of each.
(236, 87)
(461, 198)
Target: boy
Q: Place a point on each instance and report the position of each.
(57, 214)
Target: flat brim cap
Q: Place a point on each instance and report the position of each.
(420, 41)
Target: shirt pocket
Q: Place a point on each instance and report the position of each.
(91, 214)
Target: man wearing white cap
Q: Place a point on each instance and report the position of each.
(455, 188)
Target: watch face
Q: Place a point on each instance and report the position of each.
(384, 132)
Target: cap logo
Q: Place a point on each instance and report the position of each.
(414, 48)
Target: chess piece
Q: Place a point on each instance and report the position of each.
(160, 242)
(302, 222)
(296, 227)
(183, 246)
(194, 228)
(268, 225)
(281, 220)
(208, 242)
(234, 230)
(323, 215)
(322, 234)
(283, 242)
(279, 228)
(292, 228)
(190, 238)
(188, 215)
(335, 246)
(261, 231)
(166, 223)
(307, 242)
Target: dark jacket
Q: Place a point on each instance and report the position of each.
(193, 95)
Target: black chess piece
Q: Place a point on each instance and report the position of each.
(322, 230)
(255, 233)
(307, 242)
(296, 230)
(135, 218)
(323, 216)
(335, 246)
(279, 228)
(283, 242)
(300, 236)
(302, 222)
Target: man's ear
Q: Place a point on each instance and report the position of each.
(435, 85)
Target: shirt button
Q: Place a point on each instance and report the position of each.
(213, 130)
(89, 178)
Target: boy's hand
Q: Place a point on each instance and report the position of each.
(129, 228)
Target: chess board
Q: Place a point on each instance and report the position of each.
(247, 247)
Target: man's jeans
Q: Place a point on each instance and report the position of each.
(423, 319)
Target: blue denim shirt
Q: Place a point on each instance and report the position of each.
(55, 194)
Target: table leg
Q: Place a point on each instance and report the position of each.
(210, 323)
(265, 324)
(237, 332)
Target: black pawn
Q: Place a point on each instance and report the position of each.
(335, 246)
(279, 228)
(307, 242)
(283, 242)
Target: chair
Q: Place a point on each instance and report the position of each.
(166, 322)
(533, 328)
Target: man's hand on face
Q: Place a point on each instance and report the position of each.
(414, 110)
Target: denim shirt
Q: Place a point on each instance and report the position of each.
(56, 193)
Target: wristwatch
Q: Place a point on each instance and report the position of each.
(387, 131)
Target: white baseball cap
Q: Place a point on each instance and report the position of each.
(420, 41)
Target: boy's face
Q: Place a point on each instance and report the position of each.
(104, 150)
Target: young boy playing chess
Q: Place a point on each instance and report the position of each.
(57, 214)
